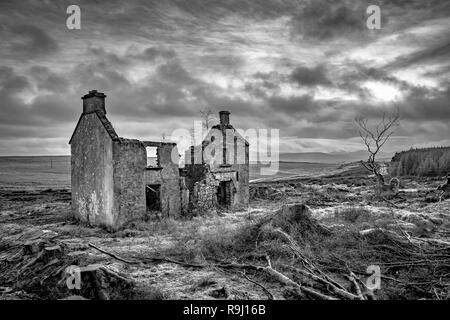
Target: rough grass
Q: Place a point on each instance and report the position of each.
(352, 214)
(337, 253)
(244, 238)
(149, 293)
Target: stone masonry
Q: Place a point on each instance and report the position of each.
(113, 183)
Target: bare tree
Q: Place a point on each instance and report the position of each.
(374, 138)
(444, 189)
(207, 117)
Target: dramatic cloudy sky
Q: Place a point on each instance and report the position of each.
(304, 67)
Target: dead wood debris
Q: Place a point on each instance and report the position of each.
(278, 276)
(311, 279)
(330, 289)
(269, 294)
(35, 262)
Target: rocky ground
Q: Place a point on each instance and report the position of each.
(408, 236)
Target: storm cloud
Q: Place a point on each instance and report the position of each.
(307, 68)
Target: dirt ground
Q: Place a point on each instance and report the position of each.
(336, 202)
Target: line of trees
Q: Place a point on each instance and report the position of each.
(421, 162)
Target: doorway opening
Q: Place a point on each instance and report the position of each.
(224, 193)
(153, 197)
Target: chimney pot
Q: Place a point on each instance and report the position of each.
(94, 101)
(224, 118)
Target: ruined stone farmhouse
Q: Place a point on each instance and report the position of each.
(218, 168)
(115, 181)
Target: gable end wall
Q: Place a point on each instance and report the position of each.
(92, 172)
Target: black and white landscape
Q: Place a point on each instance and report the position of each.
(350, 200)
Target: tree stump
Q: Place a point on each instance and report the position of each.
(299, 216)
(100, 283)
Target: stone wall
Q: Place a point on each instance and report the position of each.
(130, 160)
(92, 172)
(226, 153)
(203, 197)
(184, 196)
(110, 174)
(242, 185)
(229, 161)
(168, 176)
(194, 173)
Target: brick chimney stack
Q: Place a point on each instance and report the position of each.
(224, 118)
(94, 101)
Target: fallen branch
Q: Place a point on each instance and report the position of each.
(390, 202)
(152, 259)
(112, 254)
(269, 270)
(330, 286)
(311, 266)
(269, 294)
(352, 278)
(285, 280)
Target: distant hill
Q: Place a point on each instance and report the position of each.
(152, 161)
(421, 162)
(334, 157)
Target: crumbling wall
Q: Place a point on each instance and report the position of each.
(168, 177)
(242, 184)
(129, 185)
(227, 175)
(204, 193)
(237, 155)
(92, 172)
(231, 156)
(184, 196)
(228, 160)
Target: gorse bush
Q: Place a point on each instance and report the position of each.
(421, 162)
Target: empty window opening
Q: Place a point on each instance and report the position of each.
(237, 176)
(153, 197)
(224, 193)
(152, 156)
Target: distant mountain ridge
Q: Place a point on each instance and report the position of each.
(332, 157)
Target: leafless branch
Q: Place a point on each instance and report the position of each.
(207, 117)
(269, 294)
(375, 138)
